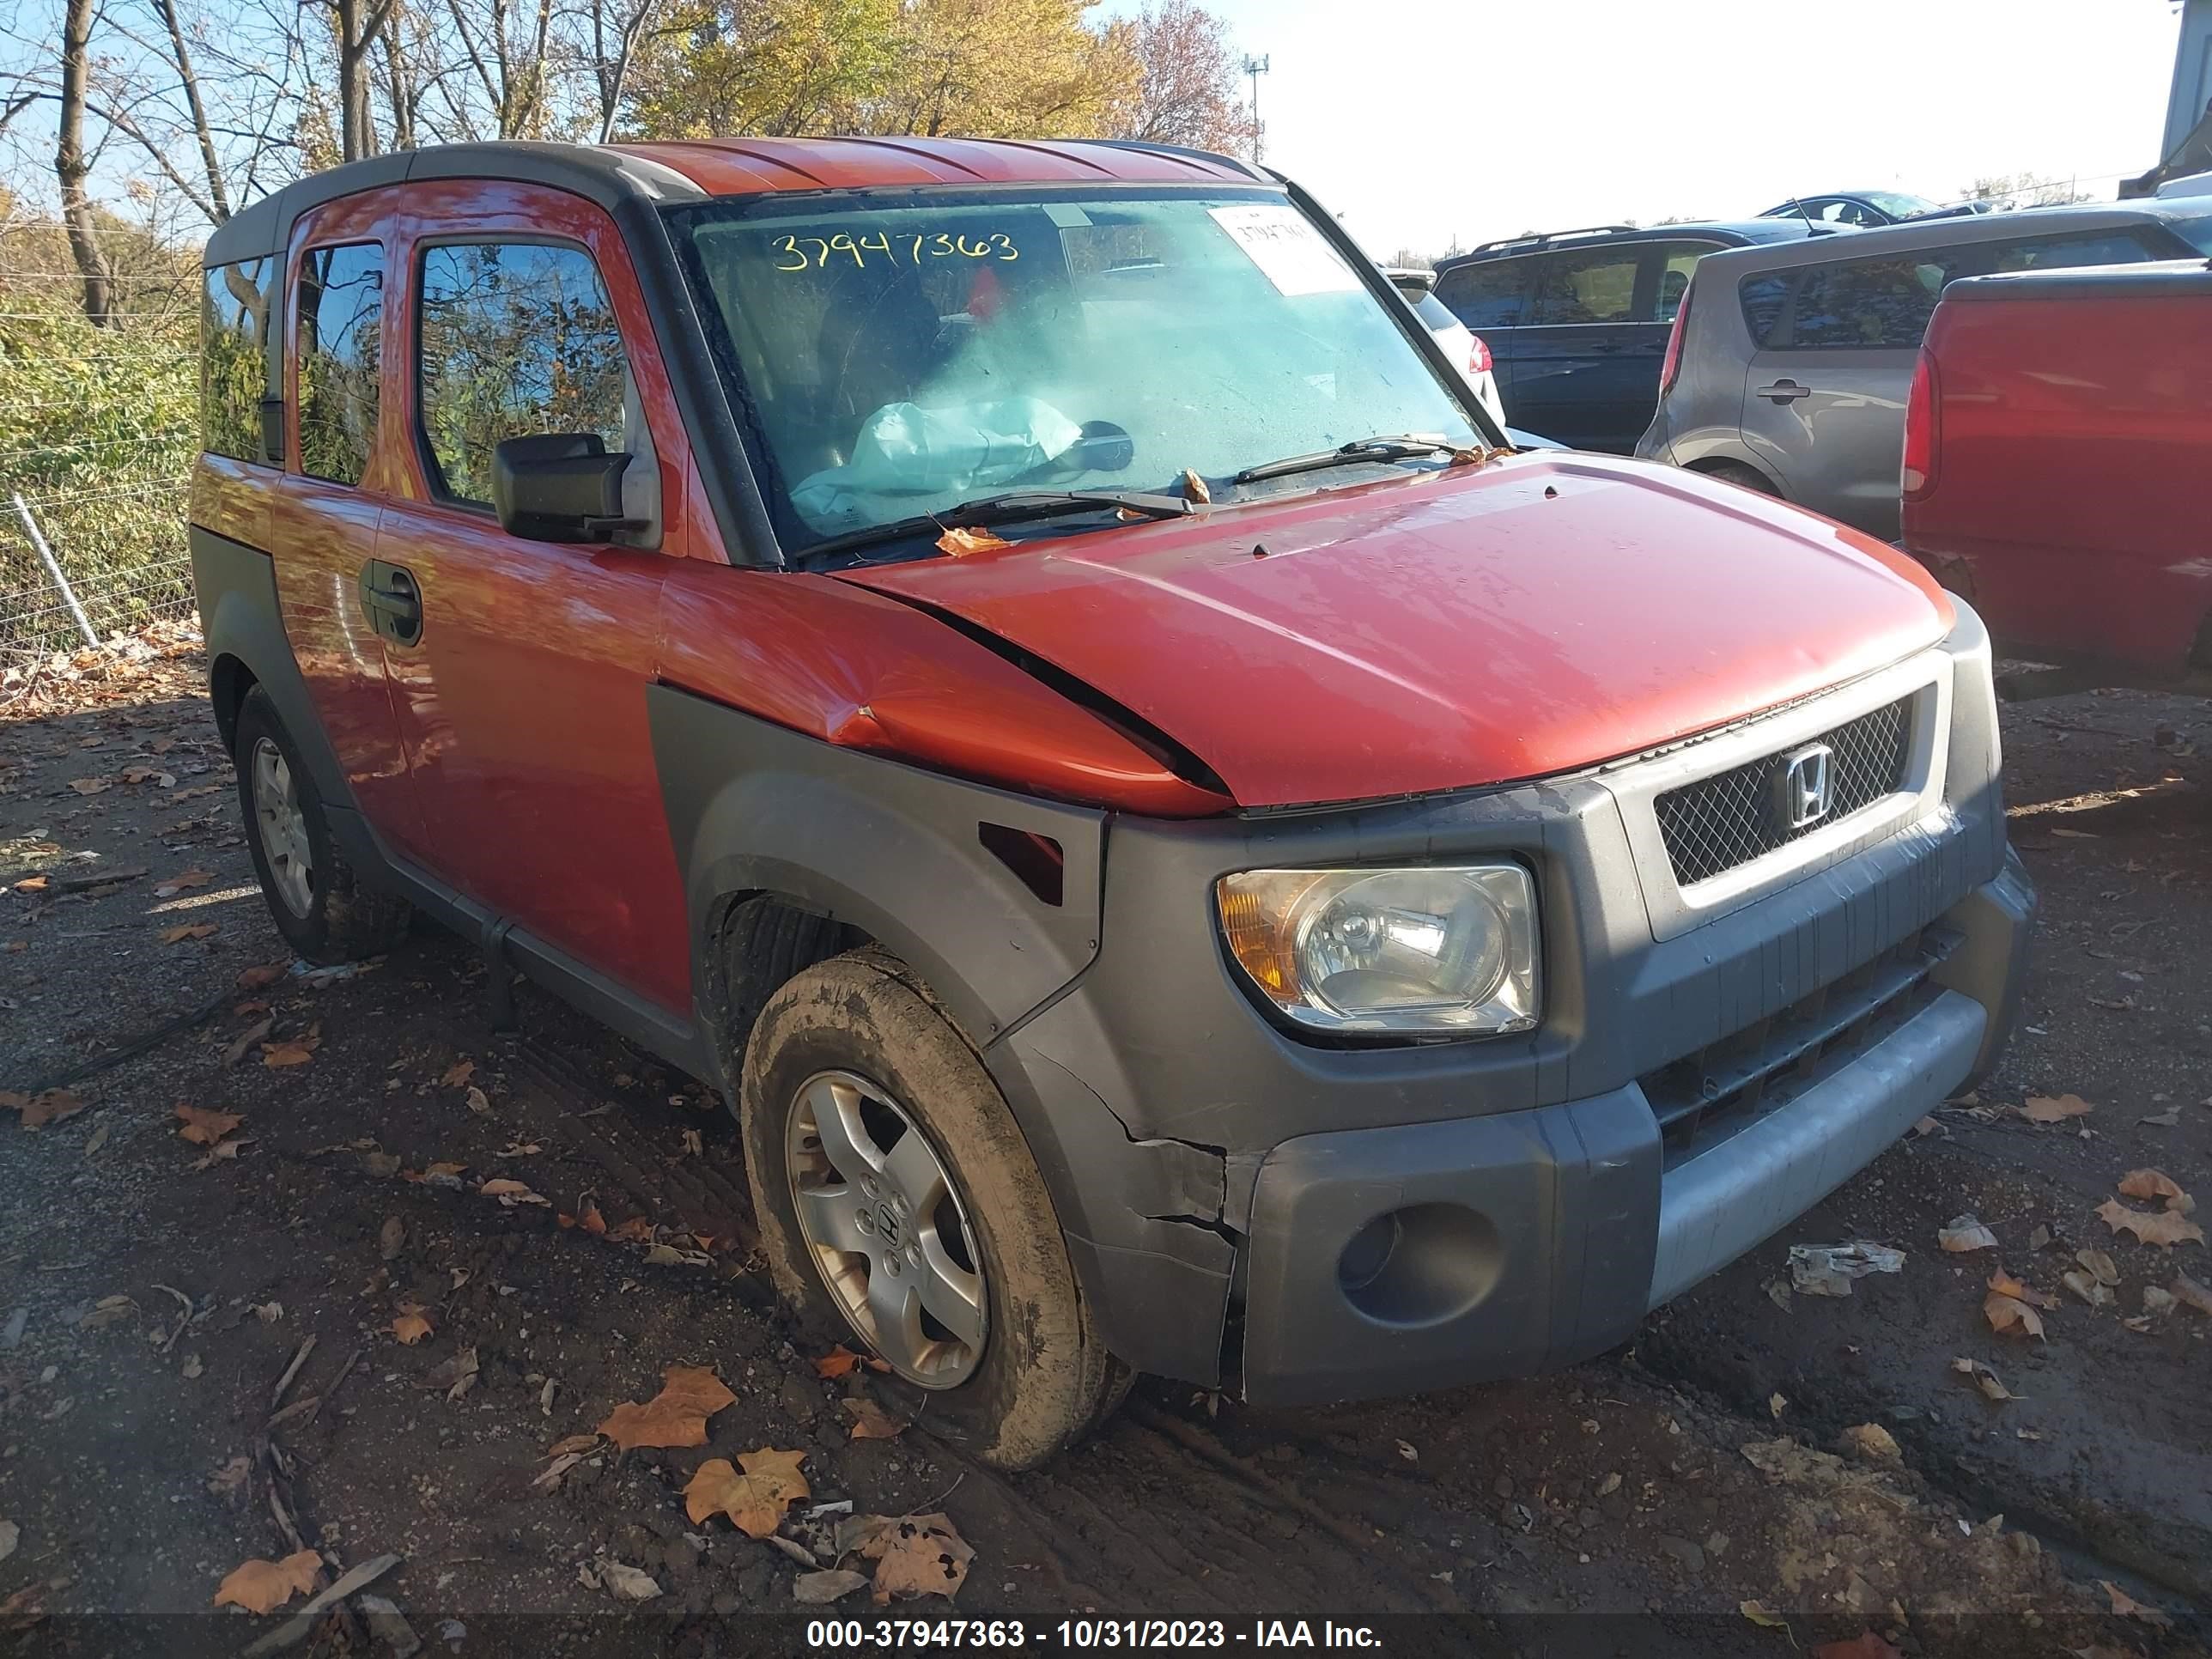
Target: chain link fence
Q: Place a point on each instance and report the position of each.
(99, 426)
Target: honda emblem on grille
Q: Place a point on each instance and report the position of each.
(1806, 786)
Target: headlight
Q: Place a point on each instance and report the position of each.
(1450, 951)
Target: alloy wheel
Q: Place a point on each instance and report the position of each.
(886, 1229)
(282, 825)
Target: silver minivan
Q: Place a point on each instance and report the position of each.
(1789, 365)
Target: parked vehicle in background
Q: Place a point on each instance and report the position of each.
(2057, 452)
(1790, 366)
(1870, 209)
(750, 586)
(1461, 343)
(1577, 320)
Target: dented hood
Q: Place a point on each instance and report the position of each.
(1439, 630)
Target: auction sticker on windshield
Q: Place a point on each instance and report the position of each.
(1289, 253)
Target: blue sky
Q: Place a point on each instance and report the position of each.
(1418, 123)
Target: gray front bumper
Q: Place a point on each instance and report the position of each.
(1529, 1240)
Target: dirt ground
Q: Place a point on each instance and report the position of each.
(1711, 1489)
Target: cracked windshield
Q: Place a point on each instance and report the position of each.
(904, 360)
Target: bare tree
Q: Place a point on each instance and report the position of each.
(1187, 89)
(72, 165)
(354, 25)
(612, 32)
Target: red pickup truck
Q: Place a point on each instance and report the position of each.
(2056, 443)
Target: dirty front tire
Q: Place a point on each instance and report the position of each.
(314, 897)
(1039, 1377)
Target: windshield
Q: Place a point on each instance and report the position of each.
(1898, 205)
(902, 353)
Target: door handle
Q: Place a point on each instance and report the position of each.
(1785, 392)
(392, 600)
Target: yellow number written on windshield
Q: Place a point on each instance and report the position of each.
(908, 247)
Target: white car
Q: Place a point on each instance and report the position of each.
(1465, 348)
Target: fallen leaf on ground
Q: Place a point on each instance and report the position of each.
(2089, 1288)
(178, 883)
(2005, 1284)
(819, 1588)
(918, 1555)
(297, 1051)
(676, 1416)
(224, 1153)
(2125, 1606)
(230, 1476)
(961, 543)
(50, 1106)
(1873, 1442)
(635, 1231)
(2009, 1313)
(841, 1360)
(245, 1039)
(625, 1583)
(262, 975)
(568, 1445)
(2156, 1183)
(2168, 1119)
(2156, 1302)
(588, 1217)
(1762, 1616)
(2101, 1267)
(871, 1422)
(31, 884)
(412, 1325)
(204, 1127)
(1984, 1379)
(188, 930)
(87, 786)
(754, 1495)
(2047, 1109)
(458, 1074)
(511, 1192)
(478, 1101)
(2164, 1228)
(456, 1377)
(1966, 1233)
(2187, 1290)
(263, 1586)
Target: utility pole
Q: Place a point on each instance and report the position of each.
(1255, 66)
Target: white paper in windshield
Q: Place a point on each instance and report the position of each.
(1289, 253)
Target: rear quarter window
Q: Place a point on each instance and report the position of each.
(341, 311)
(2196, 232)
(2108, 247)
(234, 358)
(1765, 299)
(1492, 294)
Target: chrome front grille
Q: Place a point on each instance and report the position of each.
(1715, 824)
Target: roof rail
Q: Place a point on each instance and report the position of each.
(1187, 152)
(1546, 238)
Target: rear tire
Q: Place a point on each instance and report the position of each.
(1747, 477)
(314, 897)
(848, 1059)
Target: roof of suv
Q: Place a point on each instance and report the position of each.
(693, 169)
(1736, 233)
(1918, 234)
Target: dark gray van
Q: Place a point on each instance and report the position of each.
(1577, 320)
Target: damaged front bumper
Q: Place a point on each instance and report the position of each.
(1305, 1223)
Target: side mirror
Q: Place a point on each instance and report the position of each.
(559, 486)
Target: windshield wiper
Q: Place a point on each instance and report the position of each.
(1397, 447)
(1016, 507)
